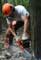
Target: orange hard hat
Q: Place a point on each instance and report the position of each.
(6, 9)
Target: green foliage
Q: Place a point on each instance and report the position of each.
(20, 2)
(26, 3)
(10, 1)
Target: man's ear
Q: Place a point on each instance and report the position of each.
(12, 8)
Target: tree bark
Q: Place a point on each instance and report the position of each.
(36, 26)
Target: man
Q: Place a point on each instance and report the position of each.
(21, 16)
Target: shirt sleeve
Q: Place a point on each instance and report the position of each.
(25, 12)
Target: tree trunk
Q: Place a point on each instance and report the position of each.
(36, 26)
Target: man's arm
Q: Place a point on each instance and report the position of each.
(12, 31)
(26, 25)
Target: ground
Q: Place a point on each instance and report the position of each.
(17, 52)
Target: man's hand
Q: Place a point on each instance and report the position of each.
(19, 42)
